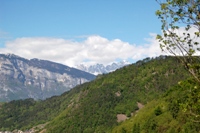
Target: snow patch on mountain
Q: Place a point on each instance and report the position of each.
(100, 68)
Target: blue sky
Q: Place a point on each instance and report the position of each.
(24, 23)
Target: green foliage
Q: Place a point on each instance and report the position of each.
(118, 93)
(24, 114)
(158, 111)
(166, 114)
(123, 130)
(182, 41)
(184, 44)
(93, 107)
(191, 105)
(136, 128)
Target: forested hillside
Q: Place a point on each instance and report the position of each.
(166, 114)
(94, 106)
(97, 110)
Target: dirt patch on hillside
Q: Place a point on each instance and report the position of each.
(118, 94)
(140, 106)
(121, 117)
(43, 131)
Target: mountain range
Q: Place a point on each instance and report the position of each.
(21, 78)
(102, 69)
(149, 96)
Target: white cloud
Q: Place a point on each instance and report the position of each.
(182, 33)
(94, 49)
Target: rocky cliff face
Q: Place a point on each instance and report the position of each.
(21, 78)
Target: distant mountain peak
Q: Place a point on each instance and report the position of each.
(100, 68)
(10, 55)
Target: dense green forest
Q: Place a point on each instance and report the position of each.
(158, 83)
(164, 115)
